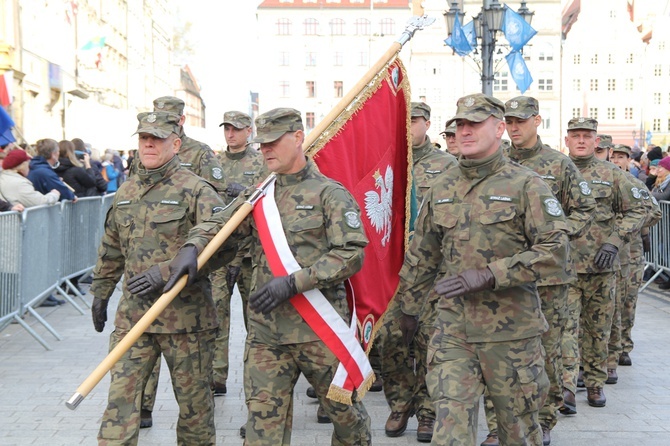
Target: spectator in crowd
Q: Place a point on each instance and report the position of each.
(15, 186)
(110, 173)
(661, 191)
(119, 166)
(652, 174)
(76, 170)
(42, 167)
(6, 206)
(96, 164)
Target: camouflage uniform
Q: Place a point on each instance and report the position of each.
(149, 220)
(404, 375)
(280, 345)
(571, 190)
(619, 212)
(246, 168)
(486, 213)
(201, 160)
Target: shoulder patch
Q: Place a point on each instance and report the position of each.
(217, 173)
(352, 219)
(553, 207)
(636, 193)
(584, 187)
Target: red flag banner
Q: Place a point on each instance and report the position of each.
(367, 150)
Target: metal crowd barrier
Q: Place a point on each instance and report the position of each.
(42, 250)
(659, 257)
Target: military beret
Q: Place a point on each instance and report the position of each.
(159, 124)
(237, 119)
(169, 104)
(477, 108)
(605, 142)
(271, 125)
(623, 148)
(522, 107)
(583, 124)
(420, 110)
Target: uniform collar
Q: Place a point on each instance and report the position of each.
(237, 155)
(583, 161)
(521, 153)
(481, 168)
(298, 177)
(153, 176)
(418, 152)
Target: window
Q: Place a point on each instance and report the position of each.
(657, 98)
(593, 112)
(387, 26)
(610, 58)
(594, 85)
(656, 126)
(611, 113)
(657, 70)
(576, 112)
(594, 59)
(629, 84)
(311, 89)
(362, 58)
(611, 84)
(309, 120)
(311, 27)
(362, 27)
(310, 59)
(577, 59)
(284, 59)
(576, 85)
(546, 123)
(546, 53)
(283, 27)
(284, 90)
(339, 89)
(337, 27)
(545, 84)
(612, 13)
(500, 84)
(630, 58)
(628, 113)
(338, 59)
(661, 46)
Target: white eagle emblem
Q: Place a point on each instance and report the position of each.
(378, 206)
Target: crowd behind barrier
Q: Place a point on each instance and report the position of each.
(43, 248)
(659, 257)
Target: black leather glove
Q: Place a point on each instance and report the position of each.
(408, 327)
(606, 255)
(234, 189)
(147, 283)
(231, 277)
(469, 281)
(99, 313)
(270, 295)
(185, 262)
(646, 243)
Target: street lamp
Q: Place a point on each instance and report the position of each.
(487, 24)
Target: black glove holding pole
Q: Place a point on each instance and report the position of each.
(605, 257)
(273, 293)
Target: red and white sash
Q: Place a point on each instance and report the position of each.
(354, 370)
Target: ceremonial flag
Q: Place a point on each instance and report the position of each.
(470, 33)
(6, 124)
(519, 71)
(517, 31)
(458, 39)
(6, 83)
(368, 150)
(94, 43)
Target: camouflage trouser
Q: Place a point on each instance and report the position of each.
(622, 290)
(189, 357)
(587, 329)
(151, 387)
(221, 298)
(270, 374)
(513, 374)
(629, 304)
(405, 376)
(244, 285)
(554, 301)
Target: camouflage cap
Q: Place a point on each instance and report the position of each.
(522, 107)
(451, 128)
(237, 119)
(605, 142)
(420, 110)
(271, 125)
(477, 108)
(583, 124)
(159, 124)
(623, 148)
(169, 104)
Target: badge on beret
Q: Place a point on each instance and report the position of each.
(352, 220)
(580, 120)
(151, 118)
(160, 104)
(584, 187)
(217, 173)
(636, 193)
(469, 102)
(514, 105)
(553, 207)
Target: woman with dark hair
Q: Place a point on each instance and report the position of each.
(76, 172)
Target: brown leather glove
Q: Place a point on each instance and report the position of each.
(99, 313)
(232, 273)
(185, 262)
(469, 281)
(646, 243)
(408, 326)
(273, 293)
(605, 256)
(147, 283)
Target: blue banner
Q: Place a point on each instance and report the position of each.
(458, 40)
(6, 124)
(516, 30)
(470, 33)
(519, 71)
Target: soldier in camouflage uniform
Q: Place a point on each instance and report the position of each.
(619, 212)
(449, 136)
(487, 230)
(242, 167)
(522, 118)
(602, 151)
(321, 221)
(404, 374)
(200, 159)
(148, 222)
(629, 278)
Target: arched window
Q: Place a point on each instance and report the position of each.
(362, 27)
(311, 27)
(337, 27)
(283, 27)
(387, 27)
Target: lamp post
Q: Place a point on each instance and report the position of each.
(487, 24)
